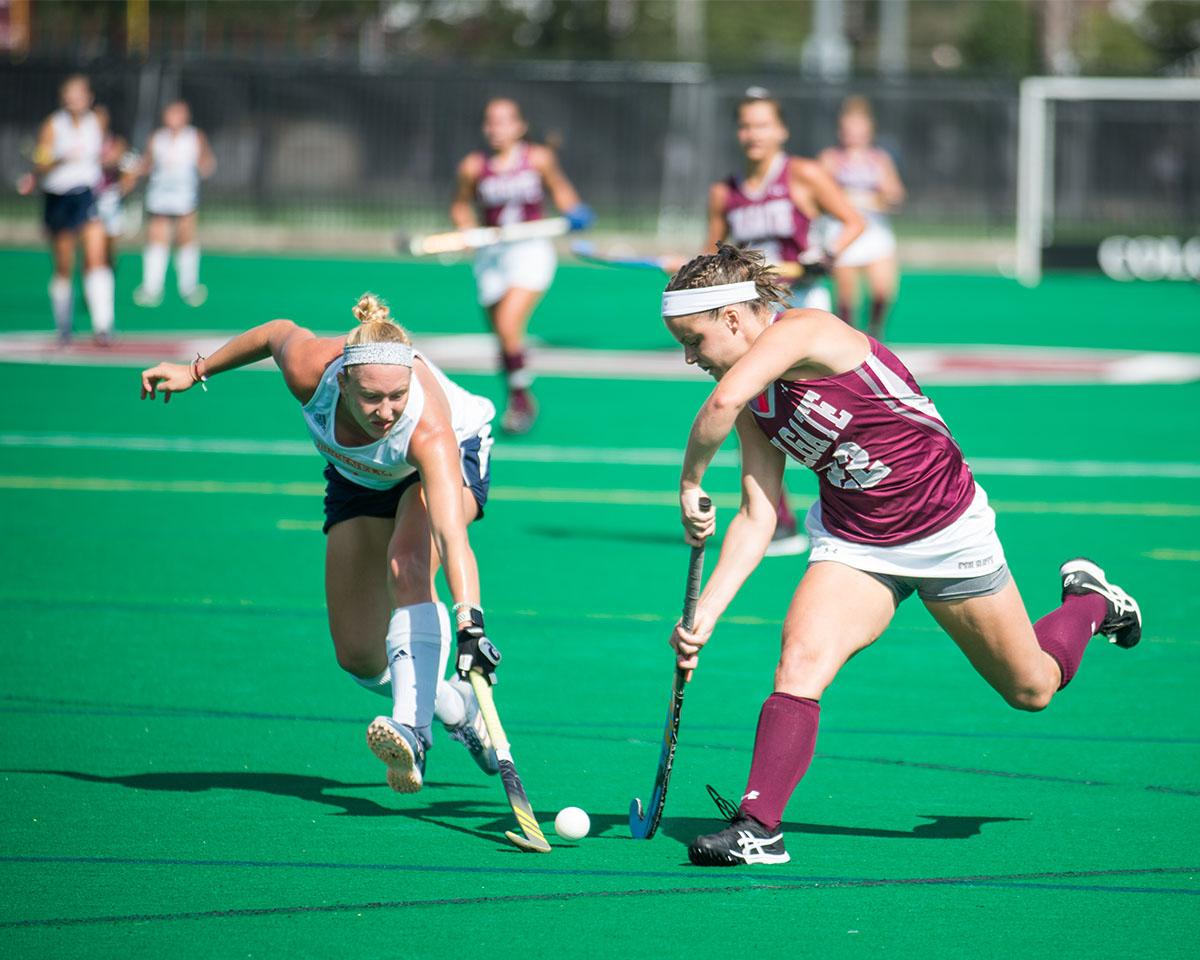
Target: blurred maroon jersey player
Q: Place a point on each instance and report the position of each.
(899, 513)
(770, 206)
(504, 185)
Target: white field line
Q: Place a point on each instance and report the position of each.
(523, 453)
(943, 364)
(569, 495)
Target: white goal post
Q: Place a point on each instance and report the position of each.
(1035, 145)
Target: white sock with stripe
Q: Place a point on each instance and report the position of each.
(417, 657)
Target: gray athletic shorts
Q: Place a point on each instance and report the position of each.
(937, 589)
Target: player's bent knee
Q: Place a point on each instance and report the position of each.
(356, 662)
(1031, 699)
(804, 674)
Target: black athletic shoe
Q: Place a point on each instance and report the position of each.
(1123, 623)
(745, 840)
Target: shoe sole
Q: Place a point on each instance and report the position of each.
(402, 775)
(705, 858)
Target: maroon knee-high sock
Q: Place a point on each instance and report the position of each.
(1064, 633)
(783, 749)
(846, 312)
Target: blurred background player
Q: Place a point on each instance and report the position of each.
(176, 159)
(408, 457)
(118, 176)
(507, 185)
(66, 161)
(869, 178)
(771, 207)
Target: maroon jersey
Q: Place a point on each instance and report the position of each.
(889, 470)
(767, 219)
(510, 196)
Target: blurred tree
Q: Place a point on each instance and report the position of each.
(1001, 38)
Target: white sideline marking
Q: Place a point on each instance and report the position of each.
(653, 498)
(942, 364)
(525, 453)
(1165, 553)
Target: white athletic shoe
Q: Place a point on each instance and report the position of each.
(787, 546)
(144, 299)
(1122, 624)
(401, 749)
(472, 731)
(195, 298)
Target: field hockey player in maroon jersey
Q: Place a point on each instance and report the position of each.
(504, 186)
(899, 512)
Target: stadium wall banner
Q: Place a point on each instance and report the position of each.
(1131, 258)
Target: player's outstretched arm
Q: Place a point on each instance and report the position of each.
(562, 191)
(301, 357)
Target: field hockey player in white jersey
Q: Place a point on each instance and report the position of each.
(66, 161)
(408, 457)
(176, 159)
(506, 185)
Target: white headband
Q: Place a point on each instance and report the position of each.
(680, 303)
(392, 352)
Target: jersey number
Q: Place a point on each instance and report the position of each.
(852, 468)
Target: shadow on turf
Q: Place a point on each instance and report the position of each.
(686, 829)
(300, 787)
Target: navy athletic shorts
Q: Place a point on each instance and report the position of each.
(345, 499)
(69, 211)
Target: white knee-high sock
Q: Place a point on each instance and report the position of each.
(98, 292)
(380, 684)
(448, 707)
(154, 268)
(187, 268)
(414, 645)
(62, 304)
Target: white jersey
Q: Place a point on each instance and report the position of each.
(384, 463)
(77, 146)
(174, 185)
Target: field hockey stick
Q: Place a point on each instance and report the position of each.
(458, 241)
(530, 839)
(642, 825)
(588, 252)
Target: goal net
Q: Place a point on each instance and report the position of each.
(1108, 177)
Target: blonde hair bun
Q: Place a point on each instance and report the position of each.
(375, 323)
(371, 309)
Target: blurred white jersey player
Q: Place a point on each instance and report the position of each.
(66, 163)
(176, 159)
